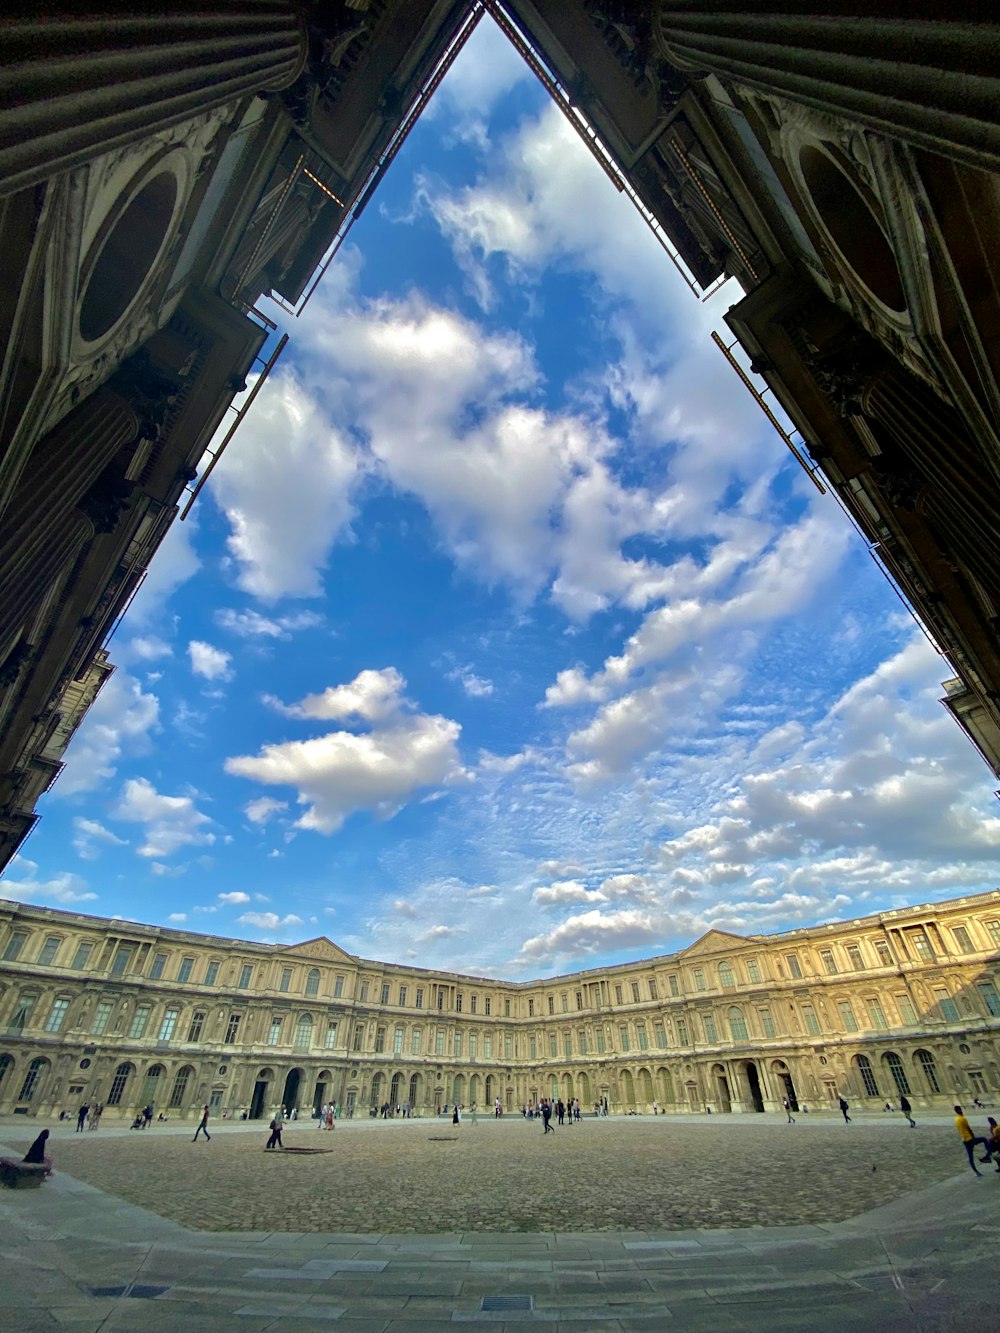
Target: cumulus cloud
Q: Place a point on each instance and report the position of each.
(171, 822)
(567, 891)
(269, 921)
(208, 661)
(177, 917)
(285, 487)
(341, 772)
(22, 884)
(476, 687)
(263, 808)
(592, 932)
(119, 723)
(252, 624)
(231, 899)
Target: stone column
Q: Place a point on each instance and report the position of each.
(41, 525)
(909, 72)
(75, 85)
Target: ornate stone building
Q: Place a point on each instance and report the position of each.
(126, 1014)
(159, 173)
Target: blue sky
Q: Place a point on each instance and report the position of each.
(507, 637)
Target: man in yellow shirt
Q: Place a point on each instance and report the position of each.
(969, 1139)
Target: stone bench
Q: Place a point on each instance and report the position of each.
(18, 1175)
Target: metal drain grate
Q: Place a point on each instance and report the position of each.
(507, 1303)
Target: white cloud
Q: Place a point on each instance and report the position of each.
(566, 891)
(22, 884)
(269, 921)
(118, 724)
(476, 687)
(592, 932)
(144, 648)
(285, 487)
(88, 836)
(231, 899)
(208, 661)
(251, 624)
(171, 822)
(177, 917)
(342, 772)
(263, 808)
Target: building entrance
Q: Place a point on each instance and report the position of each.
(290, 1097)
(753, 1080)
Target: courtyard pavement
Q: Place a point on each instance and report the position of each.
(595, 1235)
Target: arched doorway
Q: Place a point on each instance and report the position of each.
(720, 1082)
(646, 1087)
(151, 1084)
(394, 1090)
(473, 1090)
(323, 1080)
(34, 1079)
(179, 1090)
(784, 1077)
(628, 1090)
(489, 1089)
(864, 1068)
(119, 1084)
(458, 1090)
(665, 1083)
(567, 1087)
(583, 1087)
(290, 1096)
(414, 1092)
(753, 1082)
(258, 1102)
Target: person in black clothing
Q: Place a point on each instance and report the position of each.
(843, 1111)
(81, 1118)
(202, 1126)
(275, 1140)
(904, 1106)
(36, 1153)
(547, 1116)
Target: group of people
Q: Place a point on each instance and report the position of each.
(328, 1113)
(87, 1117)
(971, 1140)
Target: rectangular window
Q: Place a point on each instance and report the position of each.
(948, 1007)
(473, 1002)
(420, 998)
(122, 960)
(532, 1048)
(922, 945)
(486, 1006)
(682, 1033)
(753, 969)
(137, 1028)
(906, 1011)
(829, 962)
(379, 1040)
(159, 963)
(989, 997)
(56, 1016)
(579, 1000)
(185, 969)
(99, 1022)
(363, 996)
(487, 1048)
(854, 958)
(963, 942)
(49, 950)
(338, 985)
(359, 1036)
(674, 987)
(623, 1038)
(167, 1025)
(660, 1034)
(581, 1042)
(15, 944)
(415, 1042)
(884, 953)
(552, 1004)
(564, 1002)
(531, 1008)
(599, 1039)
(812, 1022)
(553, 1045)
(274, 1035)
(506, 1008)
(766, 1022)
(876, 1015)
(458, 1003)
(246, 976)
(635, 992)
(232, 1029)
(82, 956)
(567, 1046)
(794, 967)
(506, 1046)
(211, 974)
(383, 997)
(993, 930)
(197, 1027)
(711, 1036)
(330, 1040)
(618, 995)
(440, 997)
(285, 981)
(402, 996)
(473, 1046)
(699, 979)
(847, 1016)
(439, 1043)
(652, 989)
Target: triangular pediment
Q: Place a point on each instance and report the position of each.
(713, 941)
(321, 948)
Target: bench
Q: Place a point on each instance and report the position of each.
(18, 1175)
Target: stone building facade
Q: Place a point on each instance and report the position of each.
(107, 1010)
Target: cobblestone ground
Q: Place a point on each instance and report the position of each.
(608, 1175)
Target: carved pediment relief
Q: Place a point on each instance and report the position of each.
(320, 948)
(714, 941)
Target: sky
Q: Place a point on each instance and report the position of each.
(507, 637)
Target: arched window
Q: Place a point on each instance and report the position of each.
(726, 977)
(377, 1083)
(151, 1084)
(738, 1024)
(926, 1062)
(312, 981)
(414, 1090)
(118, 1084)
(394, 1089)
(666, 1085)
(31, 1079)
(303, 1033)
(180, 1085)
(646, 1086)
(867, 1076)
(897, 1071)
(6, 1062)
(628, 1088)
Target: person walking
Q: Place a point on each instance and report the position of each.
(275, 1140)
(202, 1126)
(843, 1111)
(904, 1106)
(969, 1139)
(788, 1111)
(547, 1116)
